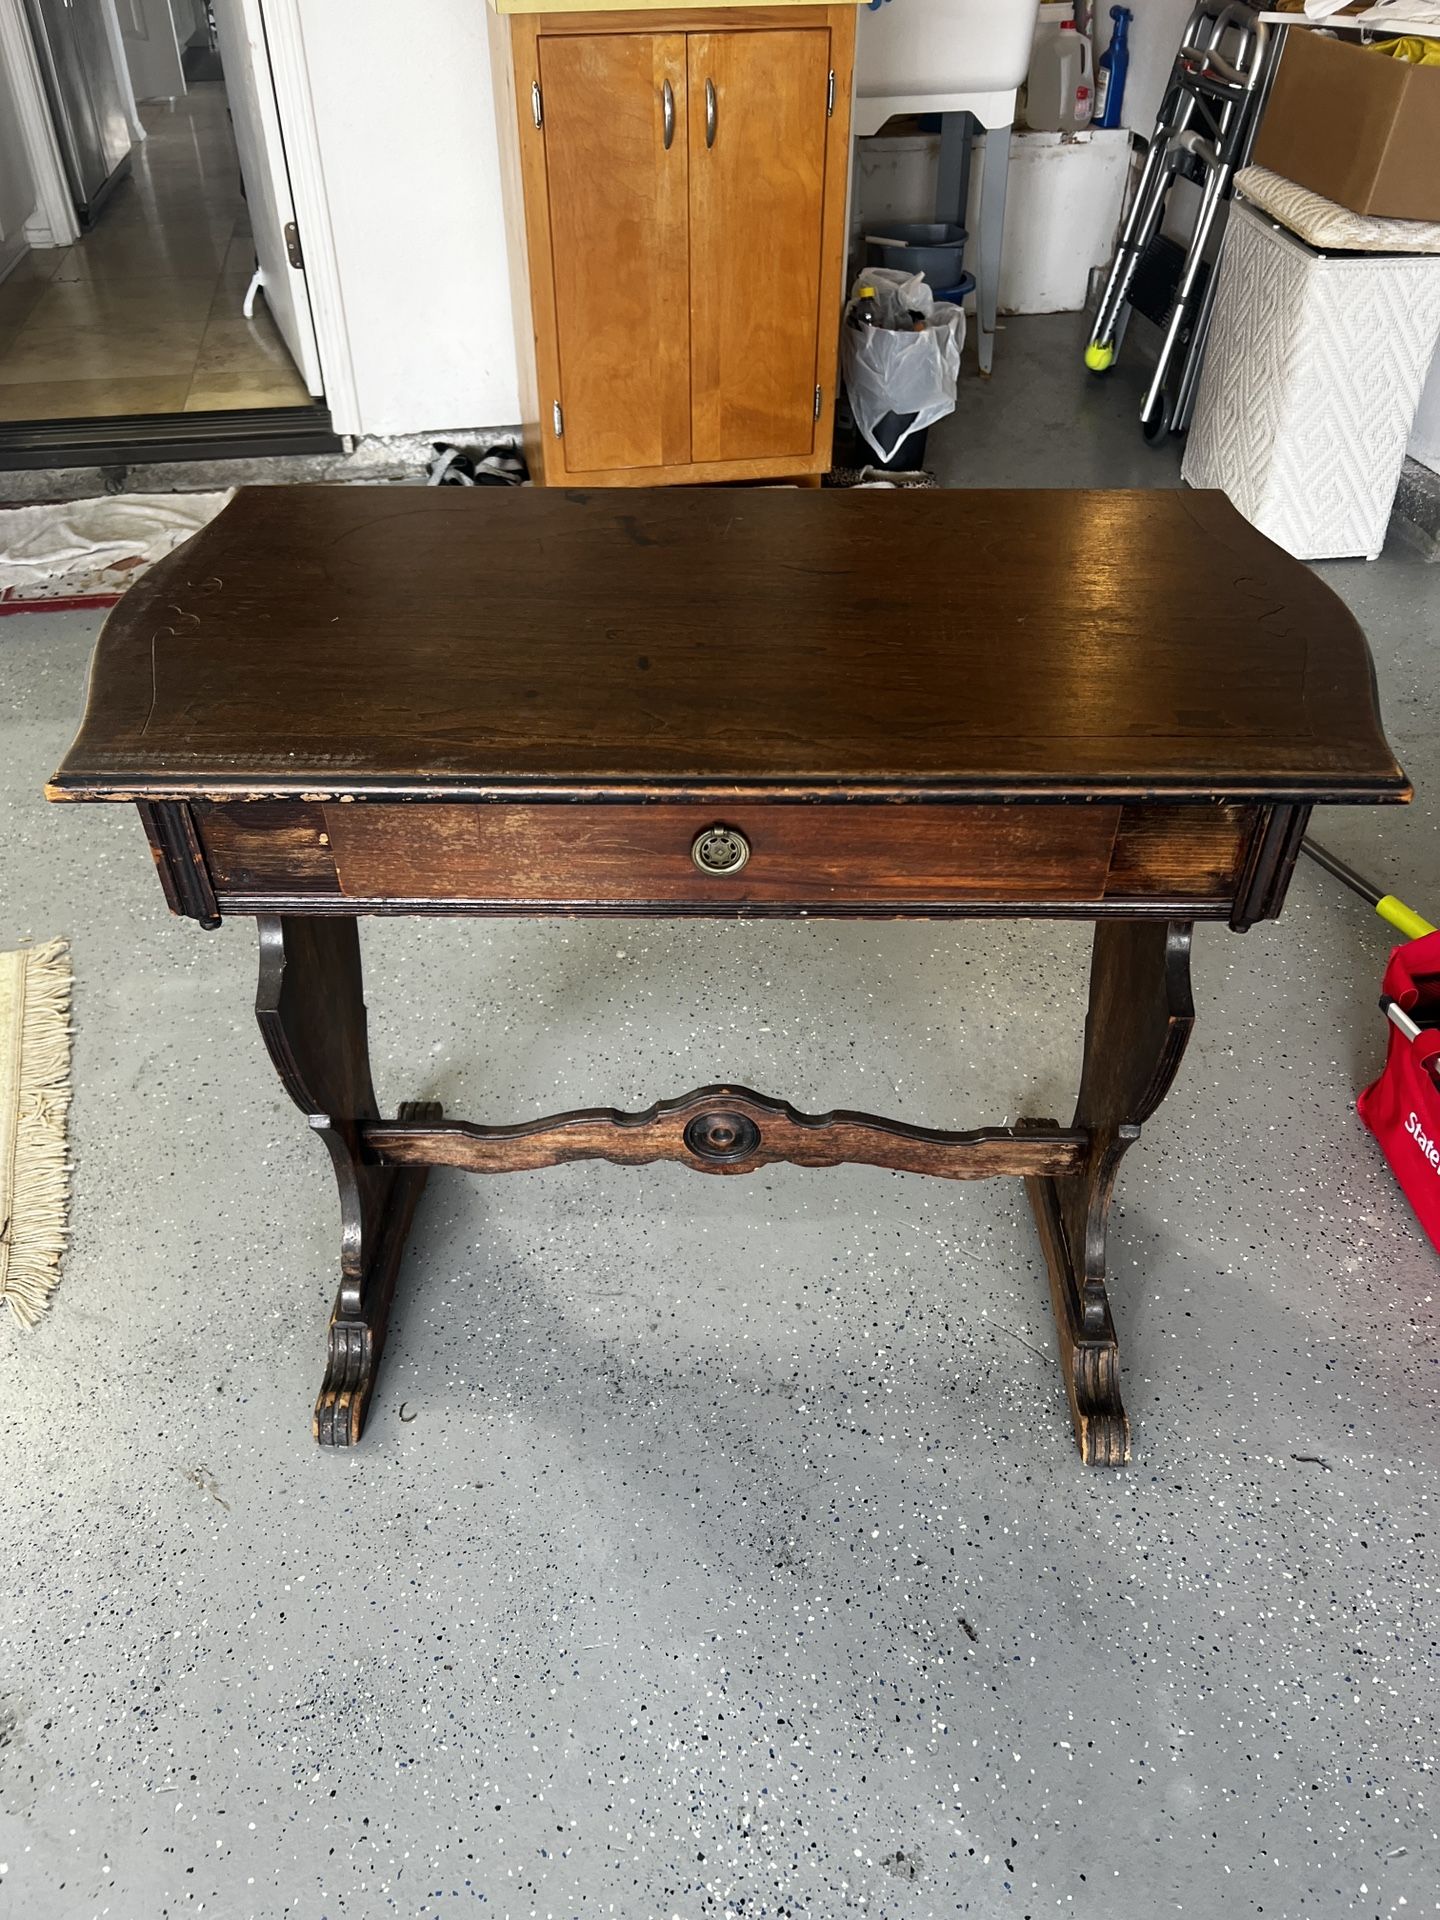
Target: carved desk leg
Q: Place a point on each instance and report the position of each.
(311, 1009)
(1140, 1018)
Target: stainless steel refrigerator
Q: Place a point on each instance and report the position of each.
(79, 67)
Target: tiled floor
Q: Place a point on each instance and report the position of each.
(143, 315)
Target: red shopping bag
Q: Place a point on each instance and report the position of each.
(1402, 1107)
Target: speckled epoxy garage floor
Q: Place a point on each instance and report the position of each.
(719, 1548)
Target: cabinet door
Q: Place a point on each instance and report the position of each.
(619, 250)
(758, 108)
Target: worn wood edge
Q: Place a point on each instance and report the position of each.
(98, 784)
(1117, 908)
(722, 1129)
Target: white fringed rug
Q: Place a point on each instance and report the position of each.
(34, 1107)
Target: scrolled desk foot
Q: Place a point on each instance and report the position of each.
(1089, 1354)
(349, 1377)
(358, 1325)
(1101, 1428)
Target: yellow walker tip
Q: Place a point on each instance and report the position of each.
(1100, 356)
(1404, 919)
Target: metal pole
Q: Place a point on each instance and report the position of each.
(1390, 908)
(1347, 876)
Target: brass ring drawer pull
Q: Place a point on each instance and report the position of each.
(720, 850)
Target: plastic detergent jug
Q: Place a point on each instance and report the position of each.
(1060, 93)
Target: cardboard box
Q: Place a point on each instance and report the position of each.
(1355, 125)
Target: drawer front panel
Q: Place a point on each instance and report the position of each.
(1180, 853)
(834, 858)
(267, 848)
(821, 855)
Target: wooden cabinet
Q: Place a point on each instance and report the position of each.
(676, 189)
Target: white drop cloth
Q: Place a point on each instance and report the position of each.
(95, 546)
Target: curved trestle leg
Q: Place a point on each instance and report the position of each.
(1140, 1017)
(311, 1009)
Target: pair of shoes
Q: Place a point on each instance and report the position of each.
(879, 477)
(501, 464)
(895, 477)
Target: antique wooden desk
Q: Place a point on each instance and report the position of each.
(1116, 707)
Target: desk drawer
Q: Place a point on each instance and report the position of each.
(761, 855)
(623, 857)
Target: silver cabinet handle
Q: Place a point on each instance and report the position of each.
(711, 113)
(667, 99)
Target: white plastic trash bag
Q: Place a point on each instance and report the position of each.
(900, 381)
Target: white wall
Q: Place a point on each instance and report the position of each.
(406, 131)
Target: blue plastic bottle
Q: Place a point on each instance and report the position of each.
(1113, 64)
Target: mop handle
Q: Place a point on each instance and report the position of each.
(1404, 919)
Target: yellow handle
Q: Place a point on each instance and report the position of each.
(1404, 919)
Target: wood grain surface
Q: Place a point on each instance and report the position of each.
(271, 855)
(642, 854)
(619, 246)
(634, 278)
(728, 1130)
(756, 218)
(324, 642)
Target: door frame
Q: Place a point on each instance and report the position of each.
(54, 222)
(285, 39)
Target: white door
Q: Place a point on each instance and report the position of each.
(17, 188)
(152, 53)
(250, 90)
(190, 27)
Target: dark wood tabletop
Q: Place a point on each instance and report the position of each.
(448, 643)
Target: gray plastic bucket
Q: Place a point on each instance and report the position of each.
(932, 247)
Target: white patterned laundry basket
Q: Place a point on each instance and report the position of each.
(1312, 375)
